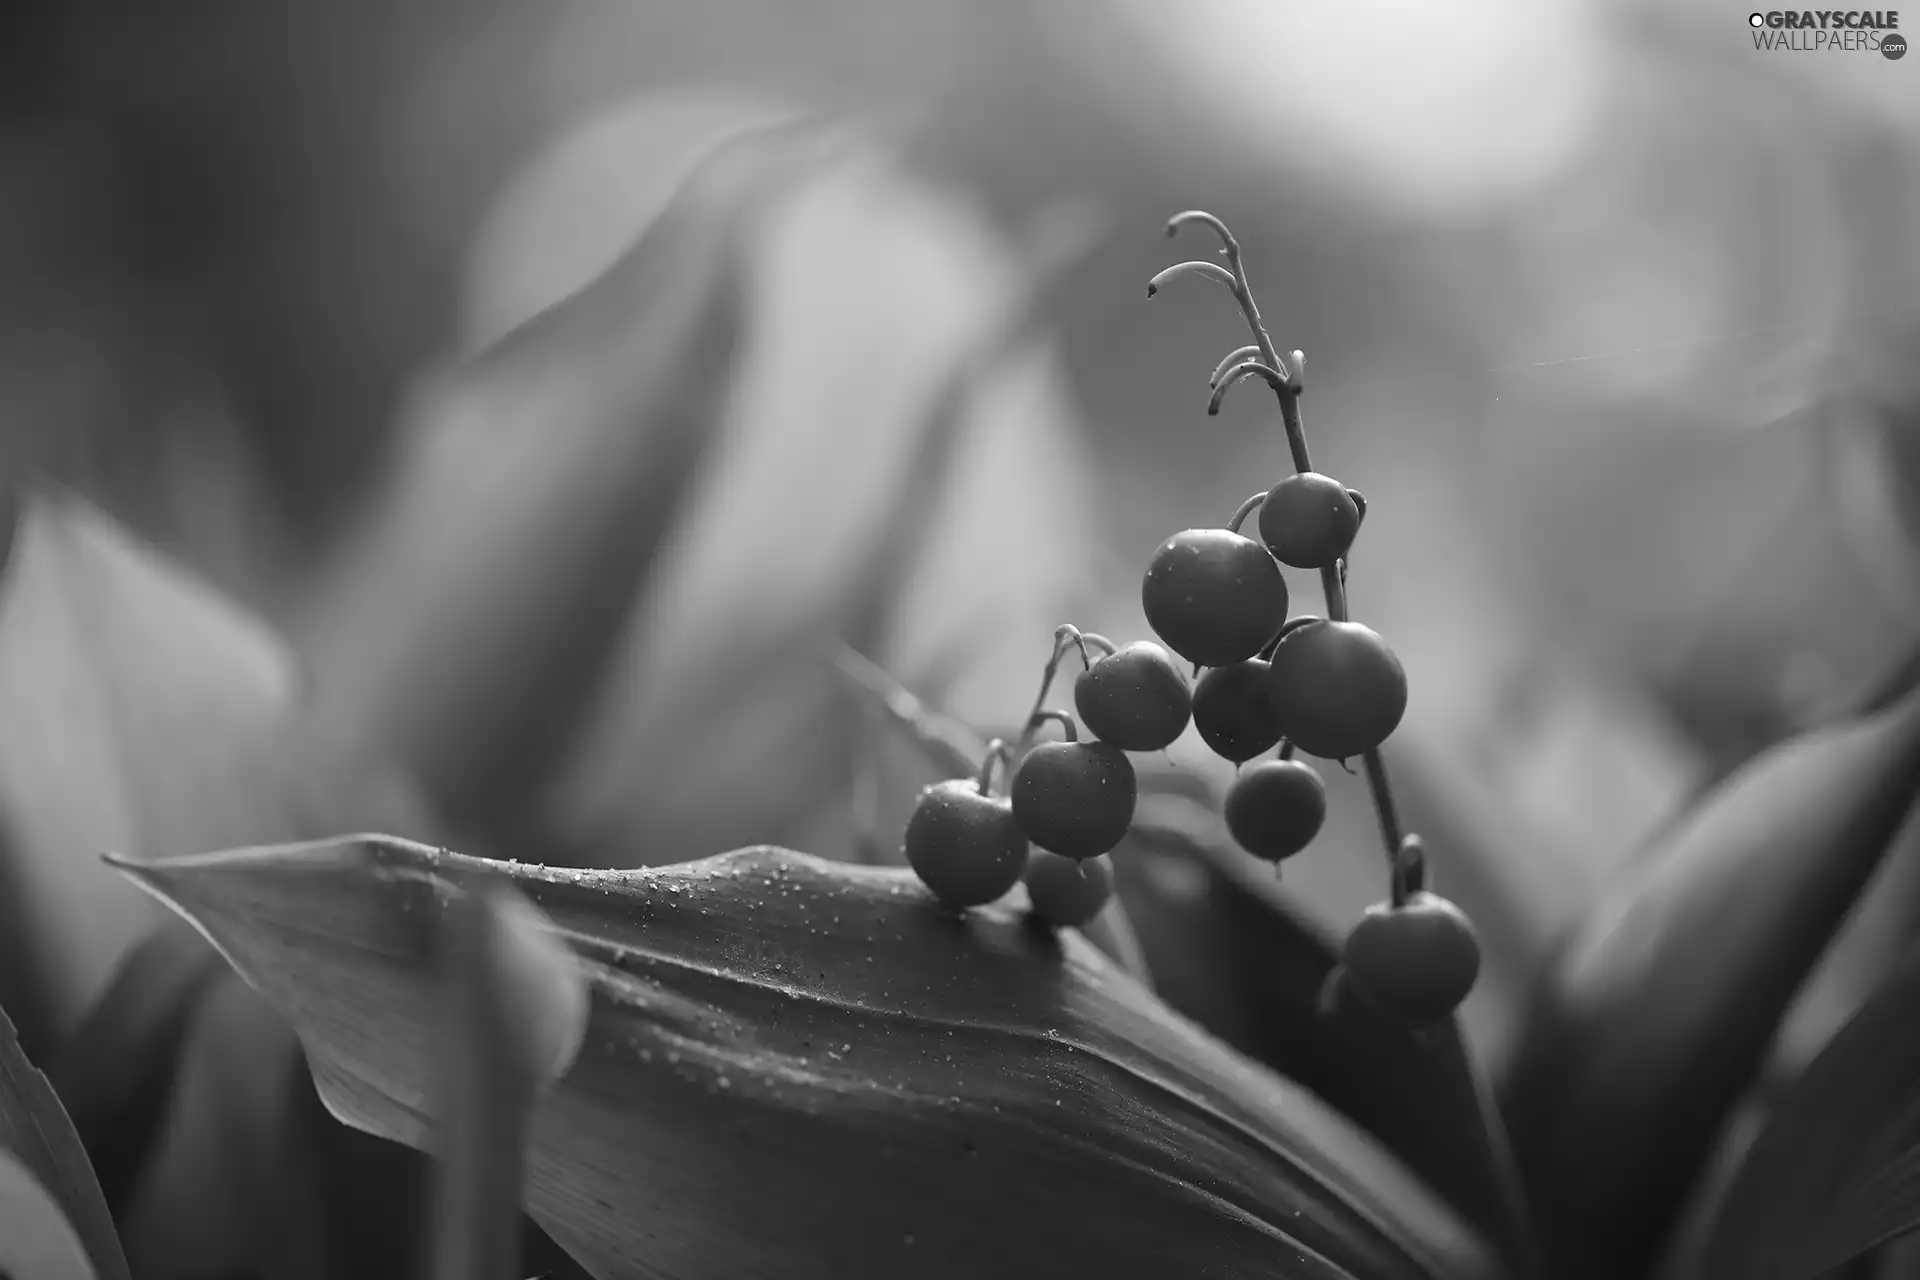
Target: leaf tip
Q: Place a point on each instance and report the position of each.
(140, 871)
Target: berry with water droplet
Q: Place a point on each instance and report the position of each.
(1214, 596)
(1135, 698)
(1074, 798)
(1413, 963)
(1308, 520)
(1336, 688)
(1068, 892)
(1232, 712)
(964, 844)
(1276, 808)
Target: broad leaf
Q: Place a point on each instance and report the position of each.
(802, 1067)
(1425, 1095)
(1836, 1171)
(129, 693)
(717, 727)
(1229, 950)
(35, 1129)
(141, 711)
(471, 622)
(36, 1240)
(1661, 1007)
(116, 1074)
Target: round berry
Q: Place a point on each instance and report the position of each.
(1136, 698)
(1413, 963)
(1309, 520)
(1068, 893)
(963, 844)
(1233, 713)
(1214, 596)
(1074, 798)
(1275, 809)
(1336, 689)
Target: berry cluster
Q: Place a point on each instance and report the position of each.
(1068, 803)
(1325, 687)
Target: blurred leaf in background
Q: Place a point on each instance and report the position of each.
(716, 724)
(873, 285)
(140, 710)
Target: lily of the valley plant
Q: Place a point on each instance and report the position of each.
(771, 1063)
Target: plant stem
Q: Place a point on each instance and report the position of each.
(1063, 635)
(997, 753)
(1405, 855)
(1383, 806)
(1061, 718)
(1289, 396)
(1246, 509)
(1332, 582)
(1334, 588)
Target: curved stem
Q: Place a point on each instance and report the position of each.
(1061, 718)
(1239, 373)
(1405, 852)
(1063, 635)
(1230, 247)
(1239, 355)
(1286, 750)
(1288, 388)
(1287, 628)
(1246, 509)
(1098, 643)
(1210, 270)
(998, 752)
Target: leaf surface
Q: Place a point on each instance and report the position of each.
(1836, 1170)
(542, 479)
(798, 1067)
(1660, 1009)
(141, 710)
(1231, 951)
(116, 1074)
(35, 1129)
(36, 1240)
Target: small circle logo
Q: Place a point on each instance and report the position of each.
(1756, 19)
(1894, 47)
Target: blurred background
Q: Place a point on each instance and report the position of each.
(1614, 318)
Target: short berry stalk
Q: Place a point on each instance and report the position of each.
(1066, 637)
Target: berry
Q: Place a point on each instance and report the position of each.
(1135, 698)
(964, 844)
(1413, 963)
(1214, 596)
(1336, 689)
(1074, 798)
(1275, 809)
(1308, 520)
(1067, 893)
(1233, 713)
